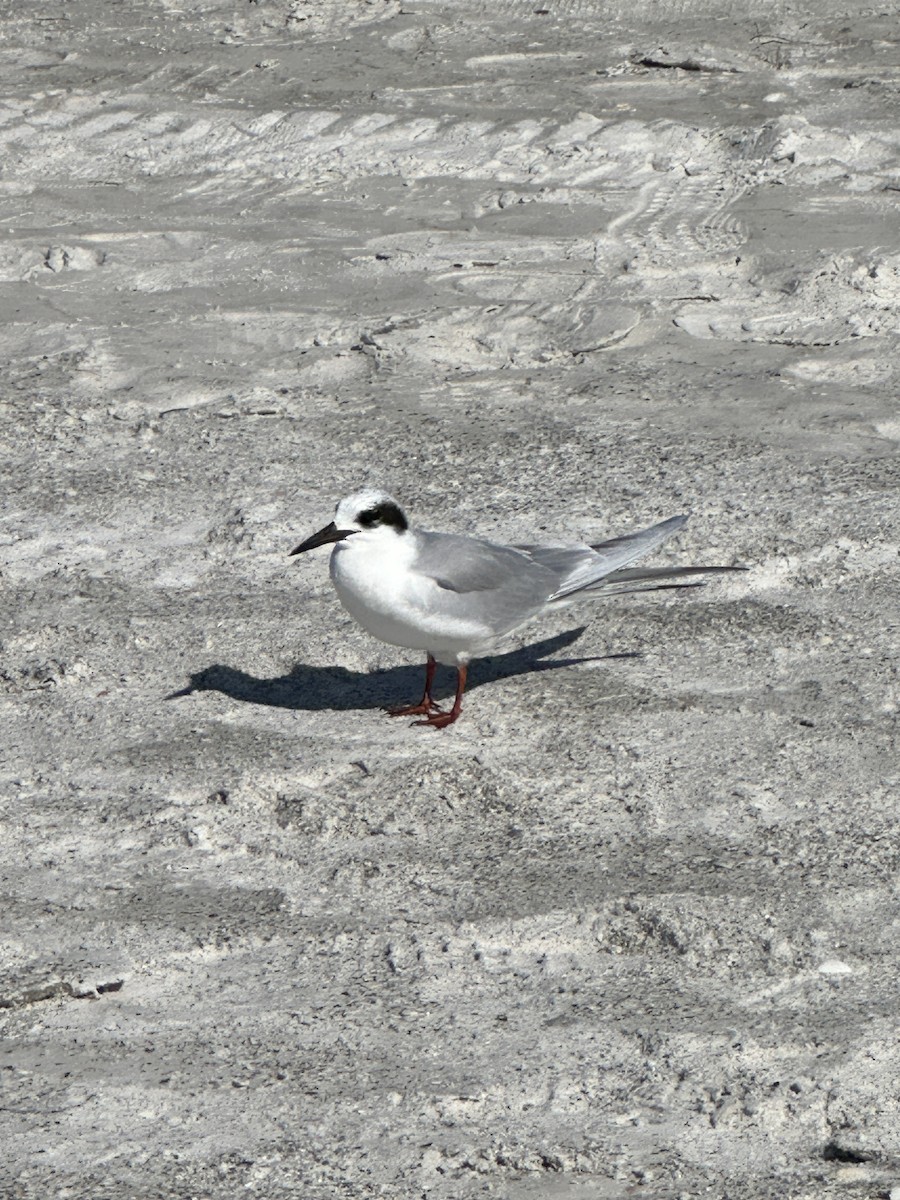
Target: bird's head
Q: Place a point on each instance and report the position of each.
(368, 511)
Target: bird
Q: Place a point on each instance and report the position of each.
(455, 597)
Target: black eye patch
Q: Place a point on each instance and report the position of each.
(383, 514)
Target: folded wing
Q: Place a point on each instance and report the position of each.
(583, 568)
(505, 585)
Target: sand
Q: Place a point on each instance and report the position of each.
(545, 271)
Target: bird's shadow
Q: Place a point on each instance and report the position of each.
(336, 688)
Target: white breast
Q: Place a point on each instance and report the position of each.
(373, 577)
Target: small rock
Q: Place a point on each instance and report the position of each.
(834, 966)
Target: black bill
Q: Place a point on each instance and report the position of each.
(330, 533)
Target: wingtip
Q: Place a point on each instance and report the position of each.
(672, 522)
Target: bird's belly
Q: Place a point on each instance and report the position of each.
(400, 607)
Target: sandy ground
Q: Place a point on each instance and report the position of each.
(548, 270)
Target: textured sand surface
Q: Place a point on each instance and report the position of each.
(546, 270)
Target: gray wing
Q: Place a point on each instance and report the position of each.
(584, 567)
(498, 585)
(501, 587)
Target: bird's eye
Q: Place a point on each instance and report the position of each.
(385, 513)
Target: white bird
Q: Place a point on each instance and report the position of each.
(455, 597)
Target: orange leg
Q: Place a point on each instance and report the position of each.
(427, 704)
(440, 720)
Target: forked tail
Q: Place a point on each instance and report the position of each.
(606, 567)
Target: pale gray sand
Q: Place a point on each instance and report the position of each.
(561, 269)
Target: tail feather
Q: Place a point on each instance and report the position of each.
(649, 575)
(630, 591)
(619, 583)
(605, 567)
(577, 567)
(608, 558)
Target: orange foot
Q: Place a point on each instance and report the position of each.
(425, 706)
(439, 719)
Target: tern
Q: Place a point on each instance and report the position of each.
(455, 597)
